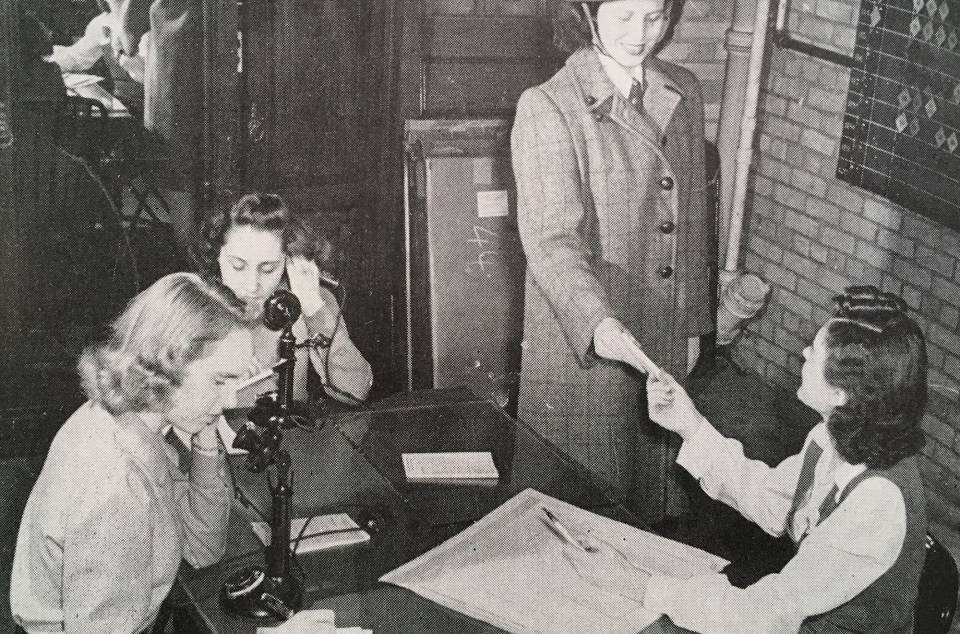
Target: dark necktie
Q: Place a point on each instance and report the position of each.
(829, 504)
(183, 452)
(636, 96)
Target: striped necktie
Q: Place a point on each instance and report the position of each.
(184, 453)
(635, 98)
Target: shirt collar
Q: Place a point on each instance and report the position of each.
(660, 98)
(182, 435)
(621, 77)
(844, 473)
(839, 471)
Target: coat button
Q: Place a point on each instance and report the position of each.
(666, 183)
(598, 116)
(667, 226)
(590, 100)
(665, 271)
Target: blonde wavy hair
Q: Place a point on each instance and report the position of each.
(164, 328)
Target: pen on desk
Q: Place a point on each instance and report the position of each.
(562, 531)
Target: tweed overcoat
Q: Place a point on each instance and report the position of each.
(614, 223)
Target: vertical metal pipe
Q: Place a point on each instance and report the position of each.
(738, 39)
(747, 129)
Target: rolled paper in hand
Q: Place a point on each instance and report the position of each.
(647, 365)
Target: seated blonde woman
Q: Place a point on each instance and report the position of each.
(113, 513)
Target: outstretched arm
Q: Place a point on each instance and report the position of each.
(761, 493)
(553, 216)
(840, 558)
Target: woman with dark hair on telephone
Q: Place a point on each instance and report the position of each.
(257, 246)
(852, 500)
(116, 508)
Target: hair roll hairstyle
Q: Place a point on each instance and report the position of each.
(877, 355)
(164, 328)
(571, 31)
(266, 212)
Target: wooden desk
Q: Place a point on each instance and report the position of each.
(353, 464)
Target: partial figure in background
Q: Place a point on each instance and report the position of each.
(173, 93)
(98, 42)
(115, 510)
(258, 246)
(609, 160)
(852, 500)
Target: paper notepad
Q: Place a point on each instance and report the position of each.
(455, 465)
(312, 622)
(323, 532)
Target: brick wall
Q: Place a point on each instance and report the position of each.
(811, 234)
(698, 44)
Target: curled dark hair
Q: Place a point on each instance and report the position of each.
(877, 355)
(571, 31)
(266, 212)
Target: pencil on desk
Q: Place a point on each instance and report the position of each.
(562, 531)
(260, 376)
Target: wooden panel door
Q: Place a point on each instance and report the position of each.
(473, 58)
(325, 86)
(316, 120)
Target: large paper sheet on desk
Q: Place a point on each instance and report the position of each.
(509, 570)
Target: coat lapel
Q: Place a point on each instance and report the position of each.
(662, 95)
(660, 98)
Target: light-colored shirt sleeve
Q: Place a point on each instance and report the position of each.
(761, 493)
(837, 560)
(108, 558)
(85, 52)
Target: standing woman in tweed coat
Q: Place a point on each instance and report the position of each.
(608, 156)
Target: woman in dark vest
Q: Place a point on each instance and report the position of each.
(852, 501)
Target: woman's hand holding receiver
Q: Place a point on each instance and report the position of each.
(304, 276)
(206, 439)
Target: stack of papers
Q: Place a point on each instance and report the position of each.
(76, 80)
(451, 467)
(312, 622)
(322, 533)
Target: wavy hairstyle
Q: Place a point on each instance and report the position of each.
(266, 212)
(571, 31)
(877, 355)
(164, 328)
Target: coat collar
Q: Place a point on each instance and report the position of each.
(660, 99)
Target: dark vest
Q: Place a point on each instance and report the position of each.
(886, 605)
